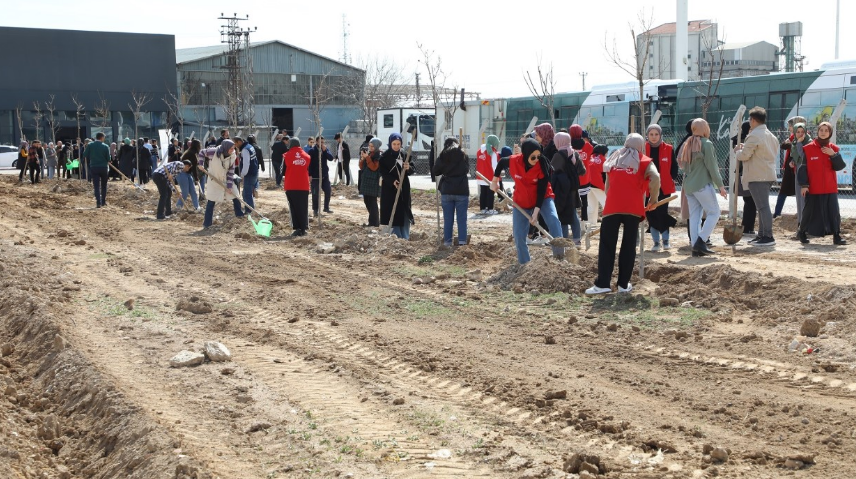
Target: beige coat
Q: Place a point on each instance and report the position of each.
(759, 156)
(217, 168)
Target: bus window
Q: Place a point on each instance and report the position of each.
(388, 121)
(830, 97)
(426, 125)
(811, 98)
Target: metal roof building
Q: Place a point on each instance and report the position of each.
(285, 81)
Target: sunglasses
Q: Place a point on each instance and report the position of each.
(534, 157)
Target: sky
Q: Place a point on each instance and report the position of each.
(483, 49)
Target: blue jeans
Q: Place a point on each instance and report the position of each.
(209, 212)
(250, 185)
(520, 229)
(455, 204)
(203, 179)
(99, 183)
(185, 182)
(575, 228)
(402, 232)
(656, 234)
(703, 200)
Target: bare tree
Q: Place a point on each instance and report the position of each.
(380, 87)
(37, 118)
(710, 70)
(102, 110)
(320, 94)
(53, 121)
(443, 97)
(641, 49)
(545, 90)
(19, 118)
(79, 108)
(175, 108)
(139, 100)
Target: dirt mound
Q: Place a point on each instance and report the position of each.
(62, 418)
(546, 275)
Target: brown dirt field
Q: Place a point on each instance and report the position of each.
(365, 356)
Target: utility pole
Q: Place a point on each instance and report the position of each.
(837, 24)
(583, 74)
(418, 92)
(345, 58)
(239, 69)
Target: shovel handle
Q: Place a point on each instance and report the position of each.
(664, 201)
(525, 214)
(217, 180)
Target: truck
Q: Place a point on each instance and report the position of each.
(392, 120)
(472, 121)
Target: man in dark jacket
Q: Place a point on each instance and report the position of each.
(317, 153)
(343, 166)
(279, 148)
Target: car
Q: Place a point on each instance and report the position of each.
(8, 156)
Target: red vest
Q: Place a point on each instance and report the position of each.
(585, 153)
(526, 182)
(484, 165)
(822, 179)
(594, 168)
(667, 183)
(296, 163)
(627, 190)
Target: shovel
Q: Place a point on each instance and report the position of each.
(557, 242)
(733, 233)
(139, 187)
(264, 227)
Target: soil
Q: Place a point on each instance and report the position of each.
(356, 354)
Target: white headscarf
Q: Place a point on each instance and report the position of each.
(627, 157)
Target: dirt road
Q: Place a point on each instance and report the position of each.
(356, 355)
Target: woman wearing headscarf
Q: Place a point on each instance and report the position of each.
(627, 171)
(565, 180)
(454, 166)
(818, 183)
(222, 168)
(663, 158)
(114, 161)
(585, 151)
(544, 134)
(369, 184)
(533, 193)
(788, 185)
(392, 163)
(794, 158)
(187, 179)
(685, 209)
(295, 182)
(127, 157)
(486, 160)
(697, 159)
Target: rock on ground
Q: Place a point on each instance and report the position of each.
(217, 352)
(810, 328)
(194, 305)
(186, 358)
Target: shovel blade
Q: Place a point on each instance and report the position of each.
(732, 234)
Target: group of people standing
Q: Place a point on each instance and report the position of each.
(48, 161)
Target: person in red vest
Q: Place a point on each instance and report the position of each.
(663, 156)
(530, 171)
(486, 160)
(296, 185)
(585, 150)
(819, 186)
(628, 171)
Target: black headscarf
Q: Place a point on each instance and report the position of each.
(689, 129)
(527, 148)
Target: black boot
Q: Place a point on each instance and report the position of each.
(838, 240)
(701, 247)
(803, 238)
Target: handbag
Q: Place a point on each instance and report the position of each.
(837, 162)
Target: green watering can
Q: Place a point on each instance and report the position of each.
(263, 227)
(74, 165)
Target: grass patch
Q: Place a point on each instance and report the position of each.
(111, 307)
(101, 256)
(430, 269)
(425, 308)
(664, 318)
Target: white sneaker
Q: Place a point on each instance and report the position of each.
(491, 212)
(538, 241)
(598, 290)
(628, 289)
(655, 248)
(666, 246)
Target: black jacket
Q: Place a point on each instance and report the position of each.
(565, 180)
(390, 171)
(277, 151)
(454, 165)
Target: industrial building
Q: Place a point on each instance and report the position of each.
(93, 79)
(284, 83)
